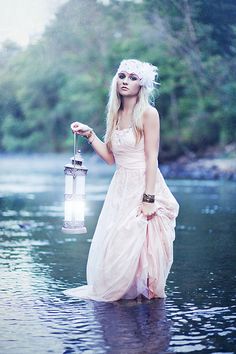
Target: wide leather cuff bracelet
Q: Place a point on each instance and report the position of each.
(148, 198)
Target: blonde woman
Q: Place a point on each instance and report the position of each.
(132, 248)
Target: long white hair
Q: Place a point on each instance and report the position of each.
(115, 104)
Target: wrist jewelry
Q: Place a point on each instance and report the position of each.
(148, 198)
(89, 136)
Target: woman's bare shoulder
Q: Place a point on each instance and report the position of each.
(150, 115)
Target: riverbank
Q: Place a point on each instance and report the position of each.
(214, 164)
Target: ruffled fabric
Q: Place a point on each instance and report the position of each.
(130, 256)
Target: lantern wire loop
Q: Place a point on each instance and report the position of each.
(74, 148)
(75, 143)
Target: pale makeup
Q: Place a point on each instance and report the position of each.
(128, 84)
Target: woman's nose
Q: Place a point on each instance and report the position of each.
(125, 80)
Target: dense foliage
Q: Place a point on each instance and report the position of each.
(65, 76)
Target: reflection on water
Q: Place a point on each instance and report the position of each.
(109, 327)
(38, 262)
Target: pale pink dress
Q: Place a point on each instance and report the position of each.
(129, 255)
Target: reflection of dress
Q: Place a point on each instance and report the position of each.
(129, 255)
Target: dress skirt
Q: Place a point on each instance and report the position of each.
(129, 255)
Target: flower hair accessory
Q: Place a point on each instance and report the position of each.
(145, 71)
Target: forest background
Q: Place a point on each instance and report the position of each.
(65, 76)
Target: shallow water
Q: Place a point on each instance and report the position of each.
(38, 262)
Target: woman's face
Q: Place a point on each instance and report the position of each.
(128, 84)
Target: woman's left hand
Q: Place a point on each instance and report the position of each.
(148, 210)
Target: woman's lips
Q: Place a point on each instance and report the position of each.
(124, 88)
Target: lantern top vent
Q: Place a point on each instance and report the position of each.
(77, 159)
(76, 164)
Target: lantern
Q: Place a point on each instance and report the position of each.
(75, 173)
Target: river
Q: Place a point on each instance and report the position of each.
(38, 262)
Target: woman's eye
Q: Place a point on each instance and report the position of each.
(121, 76)
(133, 78)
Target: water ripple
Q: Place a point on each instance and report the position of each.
(38, 262)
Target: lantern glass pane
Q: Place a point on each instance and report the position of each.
(69, 210)
(79, 209)
(74, 210)
(80, 185)
(68, 184)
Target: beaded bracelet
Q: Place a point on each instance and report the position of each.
(148, 198)
(89, 136)
(90, 142)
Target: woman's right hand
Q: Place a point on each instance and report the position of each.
(80, 128)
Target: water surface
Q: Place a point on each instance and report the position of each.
(38, 262)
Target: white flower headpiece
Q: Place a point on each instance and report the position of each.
(145, 71)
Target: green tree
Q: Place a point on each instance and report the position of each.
(66, 75)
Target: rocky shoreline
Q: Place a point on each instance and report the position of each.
(215, 164)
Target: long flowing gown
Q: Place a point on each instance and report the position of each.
(130, 256)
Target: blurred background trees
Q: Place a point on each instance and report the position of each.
(65, 76)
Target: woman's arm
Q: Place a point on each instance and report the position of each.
(151, 128)
(99, 146)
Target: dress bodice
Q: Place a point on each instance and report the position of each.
(126, 152)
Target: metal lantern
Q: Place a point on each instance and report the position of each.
(75, 173)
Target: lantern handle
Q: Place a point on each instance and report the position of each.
(75, 143)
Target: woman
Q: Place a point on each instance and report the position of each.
(132, 249)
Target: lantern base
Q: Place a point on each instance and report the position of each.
(78, 230)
